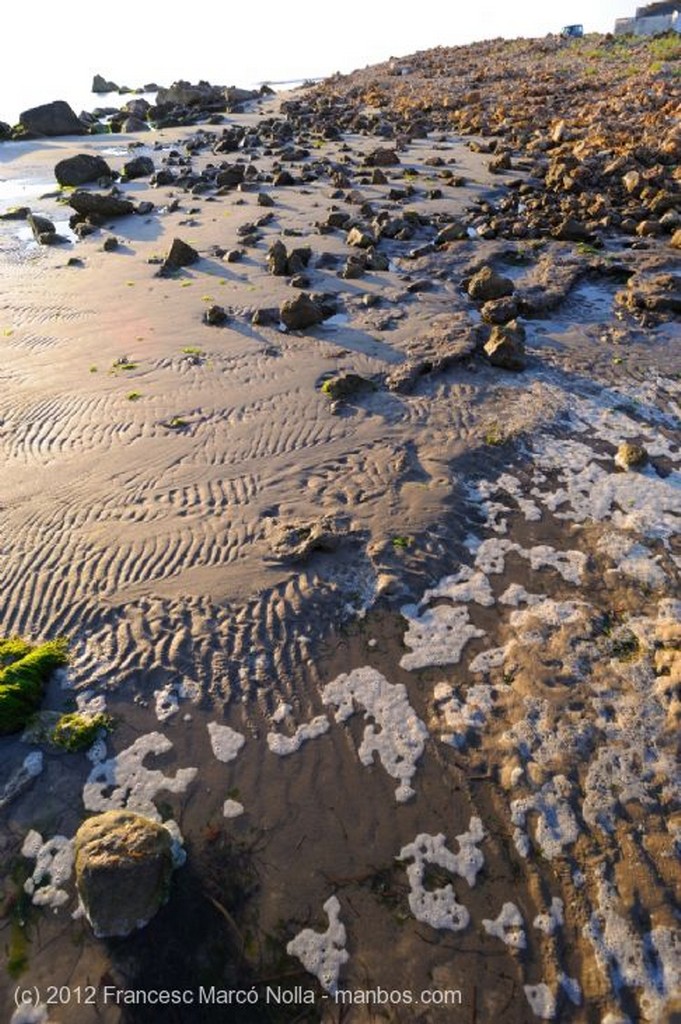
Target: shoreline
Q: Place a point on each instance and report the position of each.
(419, 585)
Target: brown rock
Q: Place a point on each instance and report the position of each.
(506, 346)
(500, 311)
(300, 313)
(123, 868)
(487, 284)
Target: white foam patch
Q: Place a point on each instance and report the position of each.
(225, 742)
(54, 859)
(232, 808)
(461, 588)
(283, 745)
(491, 554)
(437, 636)
(542, 1000)
(34, 763)
(323, 953)
(439, 907)
(648, 963)
(398, 735)
(515, 595)
(487, 660)
(509, 926)
(553, 919)
(124, 781)
(633, 560)
(166, 702)
(557, 826)
(456, 717)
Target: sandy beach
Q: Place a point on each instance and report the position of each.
(377, 619)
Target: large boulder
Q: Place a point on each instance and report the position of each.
(123, 866)
(55, 118)
(94, 204)
(184, 94)
(78, 170)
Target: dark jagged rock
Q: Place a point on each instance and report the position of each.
(180, 255)
(300, 313)
(80, 169)
(16, 213)
(139, 167)
(94, 204)
(215, 316)
(101, 85)
(50, 119)
(382, 157)
(43, 230)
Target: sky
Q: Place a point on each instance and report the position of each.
(51, 51)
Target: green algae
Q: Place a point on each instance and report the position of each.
(76, 731)
(24, 671)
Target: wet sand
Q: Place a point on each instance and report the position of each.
(153, 547)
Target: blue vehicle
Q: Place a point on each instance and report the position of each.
(572, 32)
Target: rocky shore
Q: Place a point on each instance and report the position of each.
(341, 434)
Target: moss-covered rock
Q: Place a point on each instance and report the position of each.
(24, 672)
(77, 731)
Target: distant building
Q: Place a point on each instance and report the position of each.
(650, 20)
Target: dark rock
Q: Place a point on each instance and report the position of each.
(230, 177)
(43, 229)
(487, 284)
(382, 157)
(5, 131)
(94, 204)
(283, 178)
(55, 118)
(134, 124)
(300, 313)
(268, 316)
(123, 867)
(215, 316)
(571, 230)
(500, 311)
(78, 170)
(110, 243)
(144, 208)
(100, 85)
(506, 346)
(139, 167)
(180, 255)
(83, 228)
(16, 213)
(454, 232)
(233, 256)
(277, 259)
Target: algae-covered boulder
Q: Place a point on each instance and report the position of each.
(123, 866)
(24, 671)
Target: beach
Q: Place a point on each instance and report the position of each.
(359, 510)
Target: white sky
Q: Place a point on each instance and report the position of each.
(49, 47)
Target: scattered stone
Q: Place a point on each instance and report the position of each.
(630, 455)
(506, 346)
(43, 229)
(277, 259)
(80, 169)
(487, 284)
(95, 204)
(180, 255)
(123, 867)
(215, 316)
(16, 213)
(140, 167)
(382, 157)
(571, 230)
(454, 232)
(500, 311)
(297, 541)
(300, 313)
(346, 385)
(110, 243)
(360, 239)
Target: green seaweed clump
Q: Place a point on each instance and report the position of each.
(24, 672)
(76, 731)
